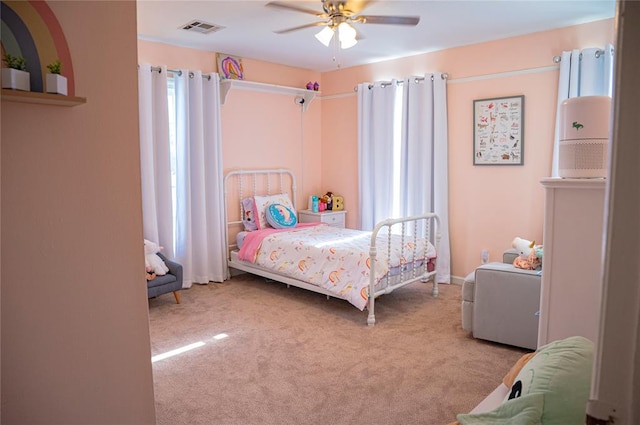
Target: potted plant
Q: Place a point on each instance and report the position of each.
(56, 83)
(15, 76)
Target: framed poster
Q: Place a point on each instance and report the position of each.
(498, 131)
(230, 67)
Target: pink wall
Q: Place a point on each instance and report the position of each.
(489, 206)
(340, 153)
(265, 130)
(75, 326)
(175, 57)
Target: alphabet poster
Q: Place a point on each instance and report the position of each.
(498, 131)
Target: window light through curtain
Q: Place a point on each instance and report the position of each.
(181, 164)
(171, 97)
(402, 154)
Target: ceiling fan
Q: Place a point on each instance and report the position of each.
(340, 15)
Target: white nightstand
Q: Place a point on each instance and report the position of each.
(333, 218)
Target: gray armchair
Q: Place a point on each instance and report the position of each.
(170, 282)
(501, 302)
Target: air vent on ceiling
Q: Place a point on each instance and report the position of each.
(201, 27)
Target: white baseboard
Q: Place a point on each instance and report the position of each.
(457, 280)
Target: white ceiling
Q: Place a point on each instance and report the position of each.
(249, 27)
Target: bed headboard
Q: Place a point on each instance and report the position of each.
(240, 184)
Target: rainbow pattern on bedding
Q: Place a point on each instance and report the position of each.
(333, 258)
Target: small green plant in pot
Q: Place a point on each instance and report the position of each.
(15, 75)
(56, 83)
(15, 62)
(55, 67)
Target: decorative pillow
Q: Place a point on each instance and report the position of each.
(526, 410)
(281, 217)
(262, 202)
(561, 371)
(249, 216)
(515, 369)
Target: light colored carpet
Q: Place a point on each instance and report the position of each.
(294, 357)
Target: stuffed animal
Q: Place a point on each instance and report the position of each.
(327, 198)
(153, 264)
(529, 254)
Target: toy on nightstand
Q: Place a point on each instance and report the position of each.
(338, 203)
(327, 199)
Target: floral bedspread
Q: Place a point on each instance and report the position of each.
(333, 258)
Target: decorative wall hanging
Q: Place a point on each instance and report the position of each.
(31, 30)
(230, 67)
(498, 131)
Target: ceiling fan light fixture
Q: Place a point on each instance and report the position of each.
(325, 35)
(347, 35)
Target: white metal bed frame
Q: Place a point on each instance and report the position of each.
(428, 221)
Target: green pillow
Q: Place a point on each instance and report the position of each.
(561, 371)
(525, 410)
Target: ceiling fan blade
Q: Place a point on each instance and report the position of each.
(392, 20)
(315, 24)
(289, 6)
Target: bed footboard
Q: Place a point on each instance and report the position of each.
(410, 230)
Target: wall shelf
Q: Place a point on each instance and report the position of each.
(227, 85)
(41, 98)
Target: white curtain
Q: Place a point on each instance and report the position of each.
(586, 72)
(410, 117)
(376, 106)
(199, 193)
(155, 163)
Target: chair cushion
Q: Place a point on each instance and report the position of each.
(468, 287)
(161, 280)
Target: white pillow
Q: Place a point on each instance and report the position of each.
(262, 202)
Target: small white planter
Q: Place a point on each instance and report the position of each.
(56, 84)
(15, 79)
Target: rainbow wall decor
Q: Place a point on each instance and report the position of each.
(30, 29)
